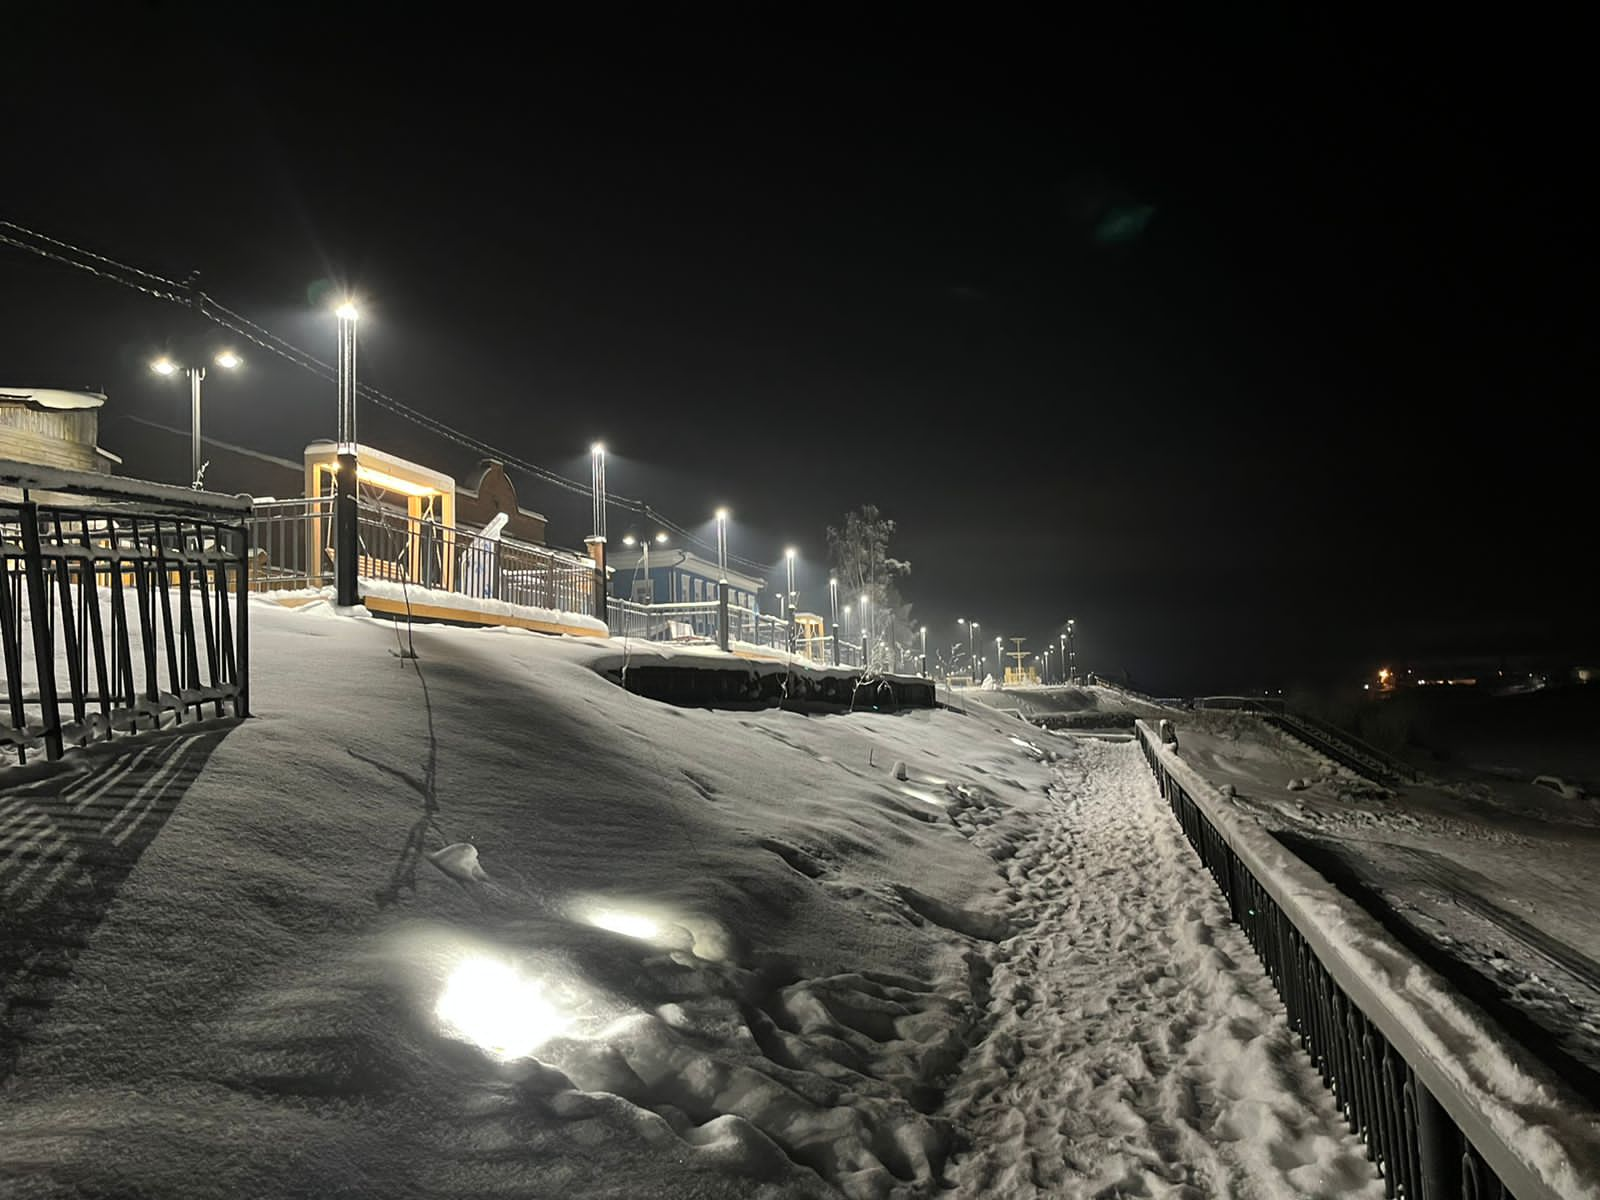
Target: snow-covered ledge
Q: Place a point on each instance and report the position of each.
(1538, 1136)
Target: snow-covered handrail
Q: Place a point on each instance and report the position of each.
(1528, 1126)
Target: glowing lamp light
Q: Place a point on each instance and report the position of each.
(789, 553)
(386, 481)
(598, 448)
(163, 366)
(722, 514)
(228, 360)
(491, 1005)
(347, 312)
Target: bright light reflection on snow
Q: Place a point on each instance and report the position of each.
(665, 928)
(634, 925)
(490, 1004)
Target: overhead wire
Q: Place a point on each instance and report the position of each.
(213, 310)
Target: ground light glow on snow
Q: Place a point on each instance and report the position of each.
(664, 928)
(634, 925)
(504, 1013)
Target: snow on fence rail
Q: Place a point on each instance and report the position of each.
(103, 583)
(1447, 1104)
(292, 542)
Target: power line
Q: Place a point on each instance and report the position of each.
(241, 326)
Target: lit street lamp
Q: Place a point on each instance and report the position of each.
(866, 631)
(346, 532)
(833, 614)
(999, 662)
(228, 361)
(924, 651)
(644, 550)
(724, 634)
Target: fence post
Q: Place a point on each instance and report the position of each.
(44, 650)
(1438, 1148)
(722, 615)
(241, 631)
(597, 551)
(346, 533)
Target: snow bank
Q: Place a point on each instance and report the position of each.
(1536, 1133)
(498, 926)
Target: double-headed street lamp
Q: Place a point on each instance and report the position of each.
(643, 543)
(228, 361)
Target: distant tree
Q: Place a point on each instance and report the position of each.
(862, 561)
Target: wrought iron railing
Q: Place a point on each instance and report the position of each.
(1422, 1150)
(292, 542)
(123, 608)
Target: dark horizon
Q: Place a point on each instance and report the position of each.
(1258, 356)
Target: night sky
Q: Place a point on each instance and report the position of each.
(1254, 349)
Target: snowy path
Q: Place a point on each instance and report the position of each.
(1134, 1046)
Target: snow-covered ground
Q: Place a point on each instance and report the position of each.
(498, 927)
(1496, 877)
(1078, 707)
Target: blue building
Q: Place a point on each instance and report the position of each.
(676, 577)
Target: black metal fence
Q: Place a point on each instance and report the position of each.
(292, 542)
(1421, 1152)
(123, 608)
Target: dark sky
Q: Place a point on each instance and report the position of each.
(1254, 349)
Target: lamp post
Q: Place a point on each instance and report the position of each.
(345, 527)
(722, 578)
(596, 541)
(833, 614)
(660, 539)
(866, 632)
(228, 361)
(925, 652)
(999, 660)
(1072, 651)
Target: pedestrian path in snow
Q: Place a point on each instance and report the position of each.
(1134, 1047)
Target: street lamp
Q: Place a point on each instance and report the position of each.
(924, 651)
(660, 539)
(794, 596)
(597, 480)
(972, 652)
(722, 545)
(346, 532)
(164, 366)
(866, 631)
(999, 662)
(833, 614)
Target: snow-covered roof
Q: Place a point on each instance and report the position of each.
(52, 398)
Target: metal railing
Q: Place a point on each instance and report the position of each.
(1421, 1149)
(292, 544)
(123, 608)
(693, 621)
